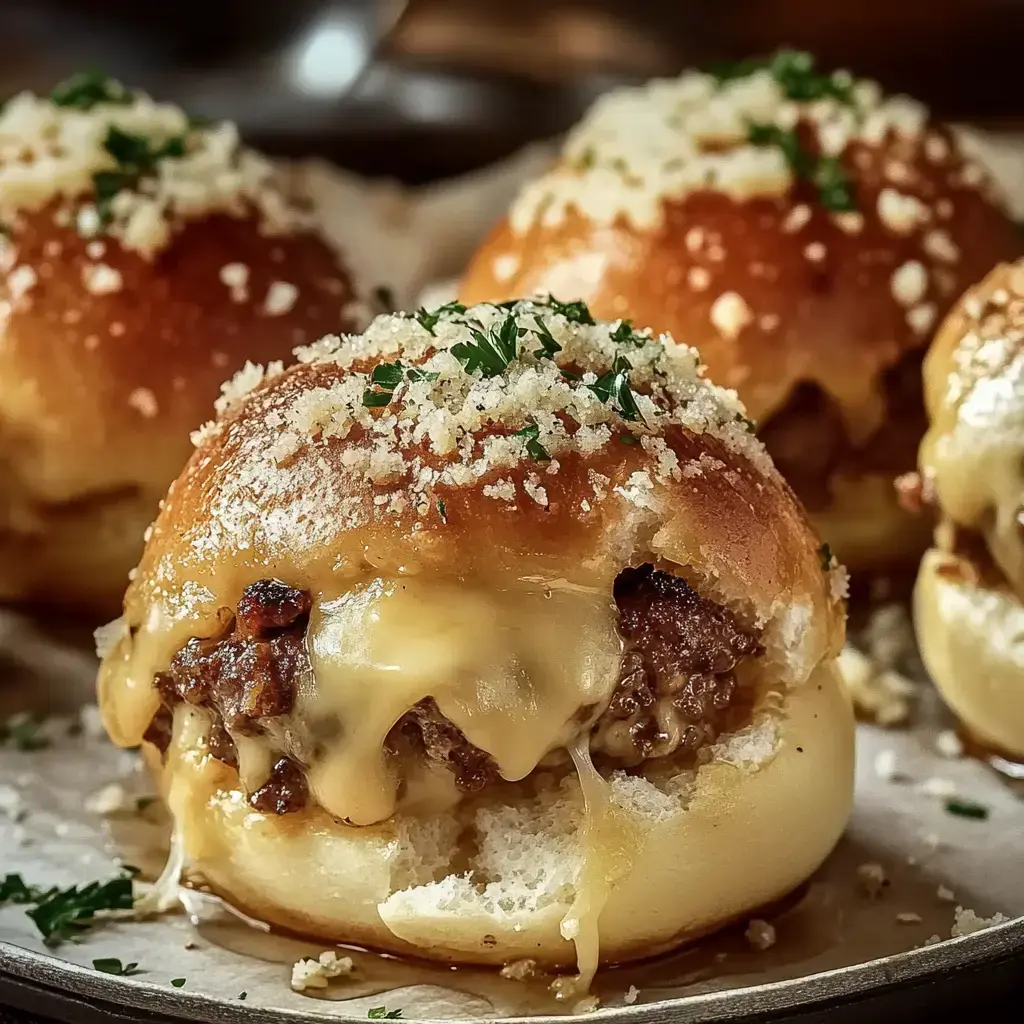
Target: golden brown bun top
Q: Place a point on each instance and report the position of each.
(973, 453)
(119, 319)
(662, 210)
(527, 471)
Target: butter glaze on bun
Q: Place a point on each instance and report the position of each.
(967, 607)
(812, 291)
(143, 261)
(491, 633)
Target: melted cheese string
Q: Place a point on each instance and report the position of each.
(609, 839)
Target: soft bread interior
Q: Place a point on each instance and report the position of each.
(496, 885)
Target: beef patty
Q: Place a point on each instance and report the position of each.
(677, 683)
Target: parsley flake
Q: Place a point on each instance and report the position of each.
(61, 914)
(85, 89)
(178, 982)
(385, 377)
(575, 312)
(111, 965)
(243, 995)
(383, 1013)
(23, 731)
(442, 509)
(549, 348)
(966, 809)
(795, 73)
(615, 385)
(490, 352)
(833, 185)
(629, 439)
(534, 448)
(428, 319)
(14, 890)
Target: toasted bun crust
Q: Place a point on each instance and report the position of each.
(112, 349)
(969, 636)
(773, 288)
(317, 479)
(376, 886)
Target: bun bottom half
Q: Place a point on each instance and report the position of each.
(713, 845)
(971, 639)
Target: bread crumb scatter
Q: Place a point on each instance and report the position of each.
(99, 279)
(796, 218)
(760, 934)
(940, 246)
(307, 974)
(458, 397)
(886, 767)
(730, 314)
(699, 279)
(235, 276)
(921, 317)
(901, 214)
(815, 252)
(281, 298)
(908, 917)
(144, 402)
(21, 281)
(909, 283)
(948, 744)
(967, 922)
(112, 799)
(519, 970)
(118, 163)
(872, 879)
(631, 995)
(945, 894)
(640, 146)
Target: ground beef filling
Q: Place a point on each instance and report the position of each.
(677, 683)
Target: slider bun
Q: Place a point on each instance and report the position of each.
(973, 453)
(969, 635)
(659, 210)
(300, 481)
(113, 347)
(394, 886)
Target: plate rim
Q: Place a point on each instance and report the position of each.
(842, 984)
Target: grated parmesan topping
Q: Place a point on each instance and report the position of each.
(664, 140)
(53, 154)
(559, 393)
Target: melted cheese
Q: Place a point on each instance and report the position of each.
(509, 666)
(609, 840)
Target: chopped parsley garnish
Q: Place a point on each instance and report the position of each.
(385, 377)
(14, 890)
(383, 1013)
(61, 914)
(615, 385)
(178, 982)
(549, 348)
(629, 439)
(428, 319)
(23, 732)
(136, 157)
(85, 89)
(826, 556)
(794, 71)
(625, 335)
(827, 174)
(383, 298)
(534, 448)
(966, 809)
(111, 965)
(442, 509)
(575, 312)
(490, 352)
(242, 995)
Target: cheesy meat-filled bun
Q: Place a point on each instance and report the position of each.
(805, 233)
(143, 260)
(968, 613)
(489, 634)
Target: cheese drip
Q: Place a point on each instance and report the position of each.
(511, 666)
(609, 839)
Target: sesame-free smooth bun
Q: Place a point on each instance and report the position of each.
(491, 633)
(967, 604)
(805, 233)
(143, 260)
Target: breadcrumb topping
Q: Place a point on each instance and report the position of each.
(670, 137)
(494, 387)
(118, 162)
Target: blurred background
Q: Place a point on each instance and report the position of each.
(427, 88)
